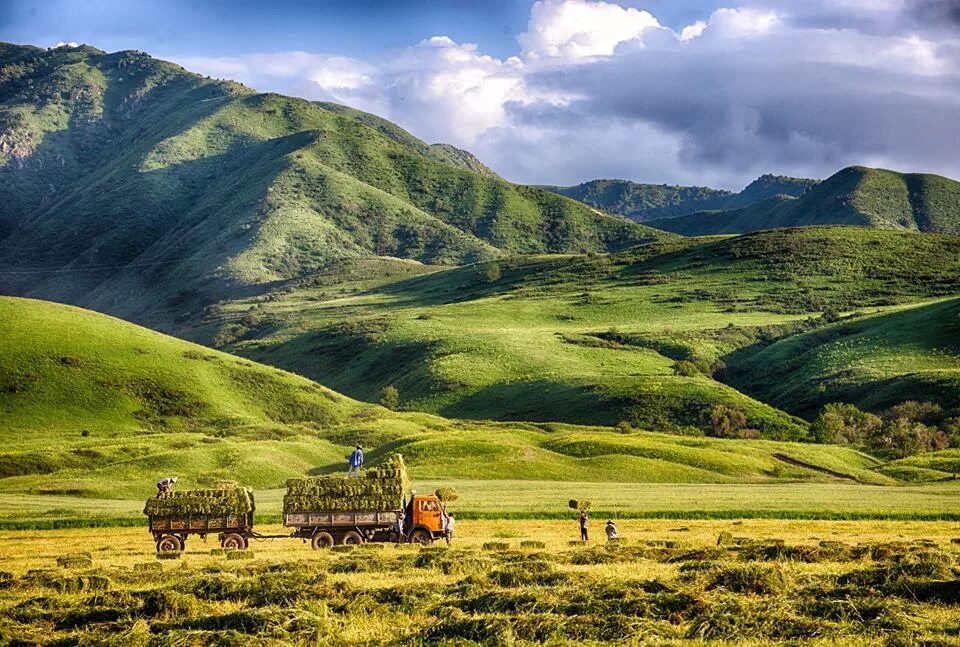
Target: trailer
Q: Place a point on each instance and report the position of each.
(171, 531)
(422, 523)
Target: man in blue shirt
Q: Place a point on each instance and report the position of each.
(356, 462)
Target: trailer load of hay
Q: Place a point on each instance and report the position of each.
(227, 500)
(381, 488)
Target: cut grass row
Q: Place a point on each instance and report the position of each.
(766, 583)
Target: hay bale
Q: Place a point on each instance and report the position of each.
(217, 552)
(169, 554)
(343, 548)
(580, 505)
(382, 488)
(240, 554)
(724, 538)
(496, 545)
(529, 543)
(447, 494)
(229, 500)
(76, 560)
(143, 567)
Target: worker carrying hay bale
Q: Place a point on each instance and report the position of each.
(382, 488)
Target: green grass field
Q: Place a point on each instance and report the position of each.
(593, 340)
(511, 499)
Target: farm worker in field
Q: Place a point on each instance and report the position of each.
(398, 527)
(448, 521)
(612, 530)
(165, 484)
(356, 462)
(584, 522)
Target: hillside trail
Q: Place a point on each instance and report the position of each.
(783, 458)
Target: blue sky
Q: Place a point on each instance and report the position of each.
(351, 27)
(709, 92)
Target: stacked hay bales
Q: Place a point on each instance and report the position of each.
(381, 488)
(228, 501)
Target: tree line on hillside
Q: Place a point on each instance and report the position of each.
(906, 429)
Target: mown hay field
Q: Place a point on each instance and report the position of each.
(665, 583)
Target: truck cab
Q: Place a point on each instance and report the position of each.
(426, 523)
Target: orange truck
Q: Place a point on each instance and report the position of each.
(422, 523)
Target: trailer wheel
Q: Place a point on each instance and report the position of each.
(234, 540)
(421, 536)
(169, 543)
(322, 539)
(351, 538)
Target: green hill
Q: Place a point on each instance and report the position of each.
(132, 186)
(874, 361)
(92, 406)
(581, 339)
(642, 202)
(853, 196)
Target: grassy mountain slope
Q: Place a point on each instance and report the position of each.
(642, 202)
(874, 361)
(96, 407)
(122, 175)
(853, 196)
(589, 340)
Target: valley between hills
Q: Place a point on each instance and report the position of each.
(255, 282)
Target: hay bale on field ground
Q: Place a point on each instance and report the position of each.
(382, 488)
(227, 500)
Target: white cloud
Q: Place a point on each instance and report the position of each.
(67, 44)
(601, 90)
(733, 23)
(575, 29)
(692, 31)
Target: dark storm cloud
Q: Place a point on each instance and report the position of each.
(742, 111)
(945, 13)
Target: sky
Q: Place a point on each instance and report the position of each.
(709, 92)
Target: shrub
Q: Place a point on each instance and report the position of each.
(390, 397)
(624, 427)
(726, 421)
(844, 424)
(685, 368)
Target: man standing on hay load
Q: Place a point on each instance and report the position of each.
(356, 462)
(165, 484)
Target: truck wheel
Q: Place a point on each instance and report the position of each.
(352, 538)
(234, 540)
(421, 536)
(169, 543)
(321, 539)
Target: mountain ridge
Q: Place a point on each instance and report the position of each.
(642, 202)
(116, 160)
(855, 195)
